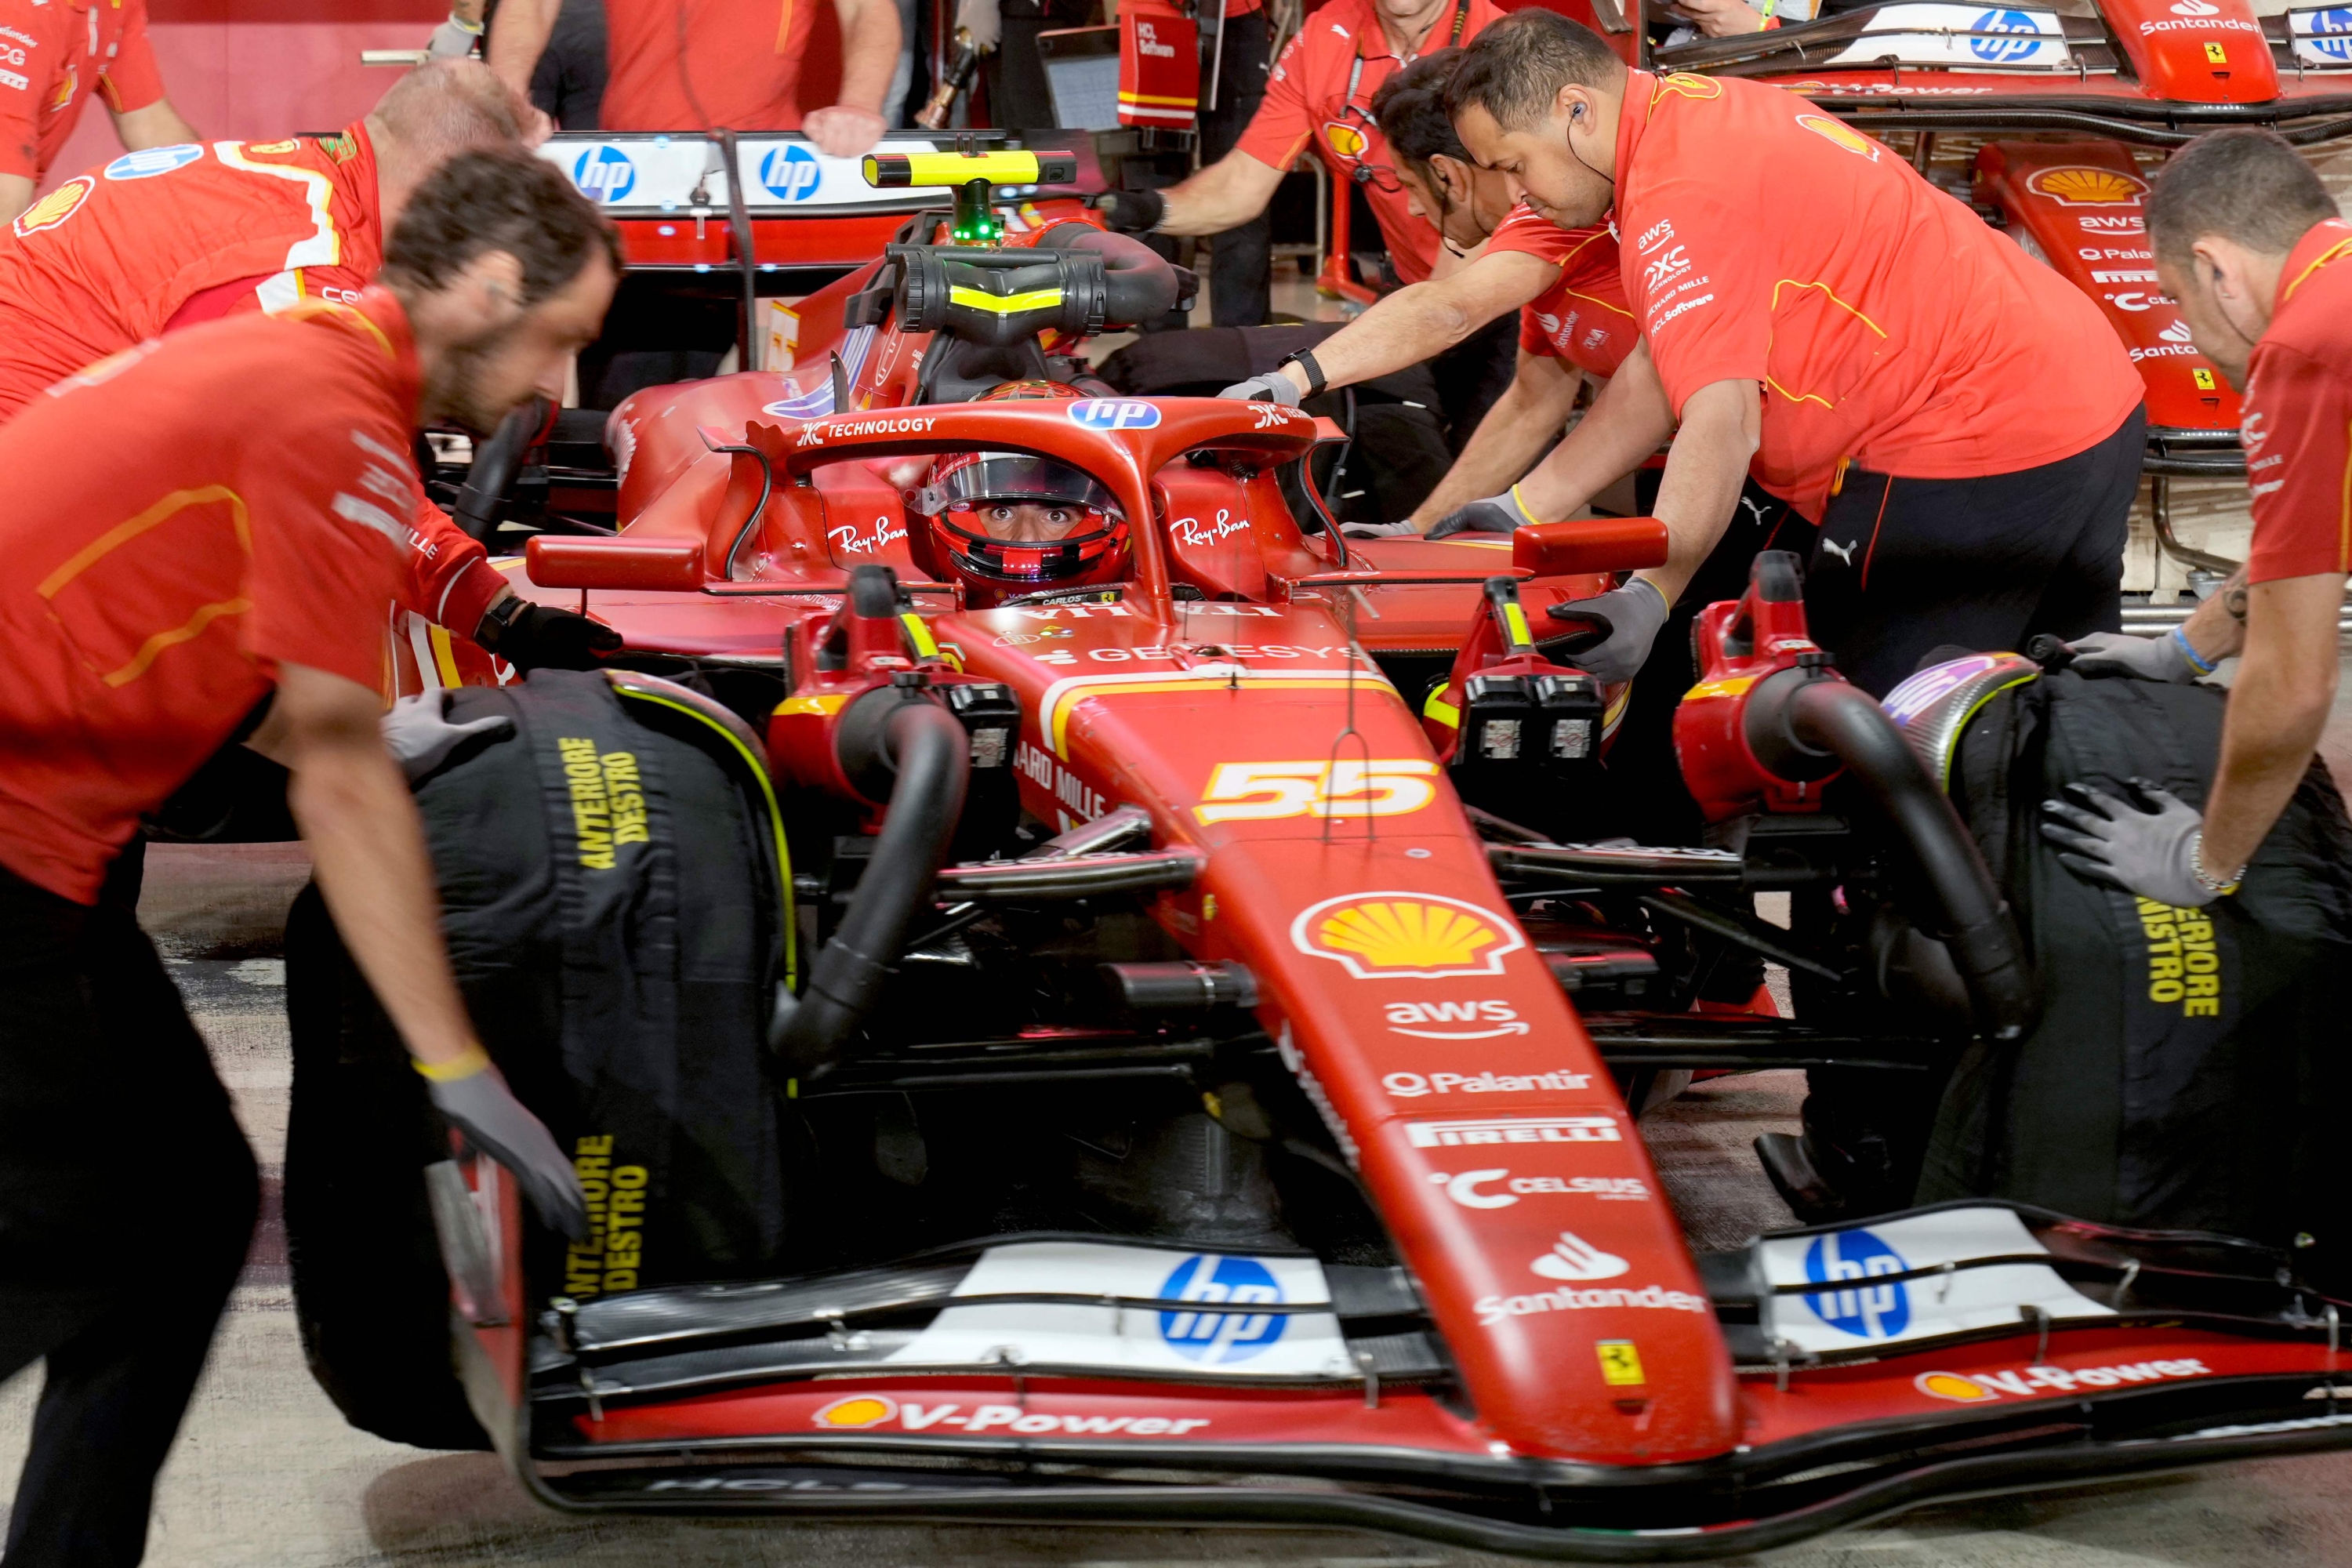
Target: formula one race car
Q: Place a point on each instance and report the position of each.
(2042, 116)
(1214, 1083)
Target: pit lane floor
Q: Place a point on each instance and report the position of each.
(266, 1472)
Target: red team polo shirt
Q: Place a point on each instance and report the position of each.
(1321, 90)
(2298, 420)
(1764, 240)
(698, 65)
(173, 236)
(186, 518)
(1581, 316)
(53, 55)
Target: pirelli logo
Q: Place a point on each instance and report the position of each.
(1512, 1129)
(608, 801)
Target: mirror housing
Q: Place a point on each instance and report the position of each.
(1586, 544)
(562, 561)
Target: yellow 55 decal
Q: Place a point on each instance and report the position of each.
(1258, 791)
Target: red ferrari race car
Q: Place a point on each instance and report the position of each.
(1203, 1082)
(2047, 118)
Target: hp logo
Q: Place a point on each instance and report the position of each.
(2331, 33)
(790, 173)
(2021, 37)
(604, 173)
(1845, 1258)
(1114, 413)
(1216, 1339)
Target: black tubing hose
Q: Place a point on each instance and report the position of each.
(1139, 284)
(498, 458)
(1829, 716)
(931, 754)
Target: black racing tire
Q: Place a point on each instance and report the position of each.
(369, 1292)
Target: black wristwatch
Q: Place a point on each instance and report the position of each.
(1305, 360)
(497, 618)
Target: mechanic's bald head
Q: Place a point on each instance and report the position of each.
(439, 109)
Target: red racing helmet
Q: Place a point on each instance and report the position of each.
(1013, 522)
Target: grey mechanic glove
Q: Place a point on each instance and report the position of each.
(454, 39)
(420, 737)
(477, 1103)
(1272, 387)
(1380, 531)
(2151, 852)
(544, 637)
(983, 19)
(2142, 658)
(1505, 513)
(1634, 613)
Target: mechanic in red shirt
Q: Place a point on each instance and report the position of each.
(168, 238)
(707, 65)
(1320, 96)
(2248, 240)
(199, 537)
(53, 55)
(1960, 421)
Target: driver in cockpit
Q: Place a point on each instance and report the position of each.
(1012, 523)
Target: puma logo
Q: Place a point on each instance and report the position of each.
(1842, 552)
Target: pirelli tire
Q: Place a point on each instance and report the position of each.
(371, 1296)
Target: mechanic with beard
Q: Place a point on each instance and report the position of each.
(1959, 419)
(1569, 292)
(705, 65)
(2248, 240)
(52, 58)
(202, 534)
(1321, 90)
(167, 239)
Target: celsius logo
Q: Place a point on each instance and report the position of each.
(1219, 1339)
(791, 172)
(2015, 36)
(1844, 1258)
(1573, 1257)
(1113, 413)
(153, 160)
(604, 173)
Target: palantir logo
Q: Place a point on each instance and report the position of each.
(2331, 32)
(1845, 1258)
(1114, 413)
(1214, 1338)
(2018, 34)
(604, 173)
(791, 172)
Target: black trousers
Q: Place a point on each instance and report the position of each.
(127, 1201)
(1905, 566)
(1241, 259)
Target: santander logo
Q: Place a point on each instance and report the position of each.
(2177, 332)
(2195, 8)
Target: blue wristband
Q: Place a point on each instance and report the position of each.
(2188, 653)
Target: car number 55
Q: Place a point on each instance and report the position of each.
(1383, 786)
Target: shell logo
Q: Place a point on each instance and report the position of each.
(1345, 140)
(857, 1410)
(56, 207)
(1845, 135)
(1405, 936)
(1951, 1385)
(2082, 188)
(68, 85)
(269, 149)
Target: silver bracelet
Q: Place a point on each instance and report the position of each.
(2219, 888)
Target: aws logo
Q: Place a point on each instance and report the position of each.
(2076, 186)
(1405, 936)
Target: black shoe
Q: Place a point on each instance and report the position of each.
(1807, 1193)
